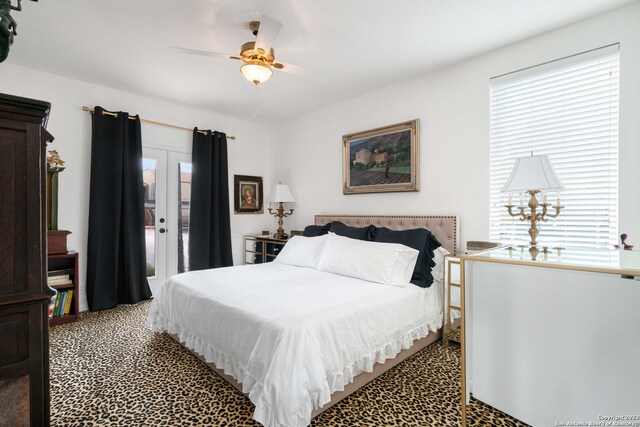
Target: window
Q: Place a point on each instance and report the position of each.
(568, 110)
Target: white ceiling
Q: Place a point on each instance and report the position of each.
(363, 44)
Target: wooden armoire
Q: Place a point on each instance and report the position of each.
(24, 294)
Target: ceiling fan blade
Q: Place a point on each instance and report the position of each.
(267, 32)
(303, 71)
(201, 52)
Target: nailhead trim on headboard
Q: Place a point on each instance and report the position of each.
(445, 228)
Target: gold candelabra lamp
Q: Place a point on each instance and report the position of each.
(532, 175)
(534, 216)
(280, 194)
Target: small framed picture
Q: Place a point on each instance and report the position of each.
(248, 196)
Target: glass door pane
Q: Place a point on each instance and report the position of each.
(167, 187)
(149, 169)
(154, 166)
(184, 205)
(178, 201)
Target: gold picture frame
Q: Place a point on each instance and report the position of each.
(381, 160)
(248, 197)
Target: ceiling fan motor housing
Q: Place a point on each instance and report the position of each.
(248, 52)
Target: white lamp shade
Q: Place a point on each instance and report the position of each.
(281, 193)
(256, 73)
(532, 173)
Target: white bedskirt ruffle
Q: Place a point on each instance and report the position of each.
(289, 364)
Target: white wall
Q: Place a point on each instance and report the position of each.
(248, 154)
(453, 107)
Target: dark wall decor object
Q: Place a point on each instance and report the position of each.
(8, 26)
(24, 294)
(248, 197)
(381, 160)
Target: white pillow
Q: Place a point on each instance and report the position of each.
(302, 251)
(386, 263)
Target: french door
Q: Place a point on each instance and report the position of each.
(167, 183)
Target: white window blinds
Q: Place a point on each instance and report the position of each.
(568, 110)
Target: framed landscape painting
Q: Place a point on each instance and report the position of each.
(247, 194)
(381, 160)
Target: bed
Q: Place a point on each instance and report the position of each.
(297, 340)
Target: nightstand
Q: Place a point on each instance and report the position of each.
(260, 248)
(451, 298)
(451, 293)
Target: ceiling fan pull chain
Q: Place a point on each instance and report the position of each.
(256, 101)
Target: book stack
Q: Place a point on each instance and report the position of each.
(62, 304)
(61, 279)
(56, 278)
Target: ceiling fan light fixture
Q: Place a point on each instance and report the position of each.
(256, 72)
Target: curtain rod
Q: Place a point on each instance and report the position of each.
(154, 122)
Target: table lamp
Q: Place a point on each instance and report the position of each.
(280, 194)
(533, 175)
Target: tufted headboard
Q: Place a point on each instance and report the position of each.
(445, 228)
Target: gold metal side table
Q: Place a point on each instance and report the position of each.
(451, 298)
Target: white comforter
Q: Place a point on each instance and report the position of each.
(292, 335)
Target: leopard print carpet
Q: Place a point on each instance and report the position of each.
(110, 369)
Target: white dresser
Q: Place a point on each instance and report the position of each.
(555, 339)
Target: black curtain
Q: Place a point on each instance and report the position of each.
(116, 255)
(209, 221)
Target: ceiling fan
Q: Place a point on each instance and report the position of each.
(258, 56)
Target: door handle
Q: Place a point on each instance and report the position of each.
(162, 230)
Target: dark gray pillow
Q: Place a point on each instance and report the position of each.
(417, 238)
(360, 233)
(316, 230)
